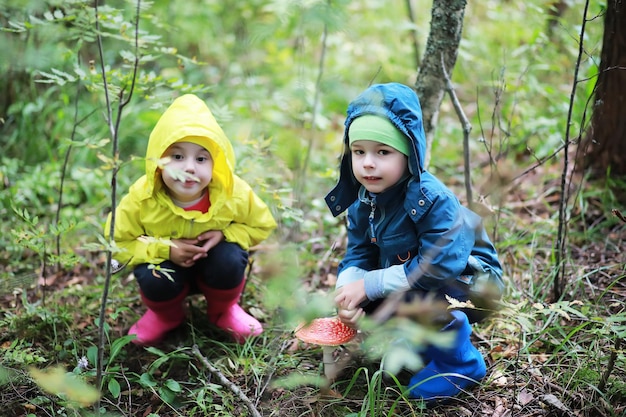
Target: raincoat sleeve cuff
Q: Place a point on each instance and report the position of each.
(349, 275)
(163, 251)
(382, 282)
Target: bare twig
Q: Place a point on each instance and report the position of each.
(610, 365)
(225, 382)
(467, 128)
(316, 104)
(114, 131)
(619, 215)
(559, 276)
(66, 162)
(271, 369)
(413, 33)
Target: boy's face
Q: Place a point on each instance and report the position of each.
(188, 172)
(377, 166)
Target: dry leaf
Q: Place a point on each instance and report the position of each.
(553, 401)
(500, 409)
(524, 397)
(499, 380)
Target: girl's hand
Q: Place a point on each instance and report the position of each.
(185, 252)
(209, 240)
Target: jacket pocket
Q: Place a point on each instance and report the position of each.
(398, 248)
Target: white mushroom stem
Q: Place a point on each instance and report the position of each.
(330, 366)
(329, 332)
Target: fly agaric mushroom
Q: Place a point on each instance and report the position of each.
(327, 332)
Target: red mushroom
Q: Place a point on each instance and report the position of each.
(327, 332)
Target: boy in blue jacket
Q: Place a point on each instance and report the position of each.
(408, 232)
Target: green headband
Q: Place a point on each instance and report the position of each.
(378, 129)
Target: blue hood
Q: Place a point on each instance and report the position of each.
(400, 105)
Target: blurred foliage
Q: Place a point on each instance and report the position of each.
(65, 384)
(257, 63)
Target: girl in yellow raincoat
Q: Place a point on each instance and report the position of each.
(187, 224)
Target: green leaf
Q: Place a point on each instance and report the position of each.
(114, 388)
(167, 395)
(92, 354)
(118, 345)
(146, 380)
(173, 385)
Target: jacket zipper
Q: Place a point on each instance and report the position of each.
(371, 220)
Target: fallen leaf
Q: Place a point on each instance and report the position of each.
(553, 401)
(329, 393)
(500, 409)
(498, 378)
(524, 397)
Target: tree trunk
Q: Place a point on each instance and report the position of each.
(443, 42)
(605, 142)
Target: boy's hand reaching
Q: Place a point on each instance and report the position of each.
(350, 317)
(348, 298)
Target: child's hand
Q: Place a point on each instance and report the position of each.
(348, 298)
(350, 317)
(186, 252)
(208, 240)
(351, 295)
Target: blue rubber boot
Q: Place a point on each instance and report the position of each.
(452, 369)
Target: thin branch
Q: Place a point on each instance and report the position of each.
(225, 382)
(66, 161)
(559, 276)
(467, 128)
(105, 83)
(619, 215)
(105, 295)
(114, 131)
(315, 110)
(610, 365)
(301, 173)
(376, 74)
(271, 366)
(413, 33)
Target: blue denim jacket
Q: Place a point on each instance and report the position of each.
(416, 235)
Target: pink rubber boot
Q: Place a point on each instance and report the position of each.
(224, 311)
(160, 318)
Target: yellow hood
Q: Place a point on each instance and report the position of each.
(147, 211)
(189, 117)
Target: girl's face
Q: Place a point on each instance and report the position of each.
(188, 172)
(377, 166)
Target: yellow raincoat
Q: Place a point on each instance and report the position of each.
(146, 218)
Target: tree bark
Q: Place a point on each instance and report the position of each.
(446, 27)
(604, 144)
